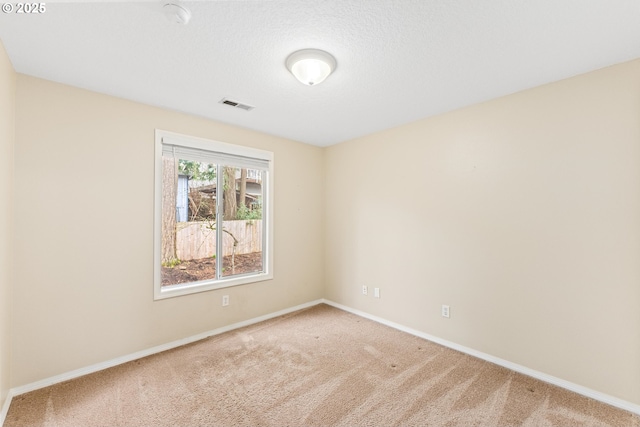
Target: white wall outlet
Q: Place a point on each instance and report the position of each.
(365, 290)
(225, 300)
(376, 292)
(445, 311)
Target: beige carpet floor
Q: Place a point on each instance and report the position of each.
(316, 367)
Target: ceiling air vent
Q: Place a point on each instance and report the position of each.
(237, 104)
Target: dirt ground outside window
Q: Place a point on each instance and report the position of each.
(205, 268)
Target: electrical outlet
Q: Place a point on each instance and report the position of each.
(365, 290)
(376, 292)
(445, 311)
(225, 300)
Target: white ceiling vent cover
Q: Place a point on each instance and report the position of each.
(236, 104)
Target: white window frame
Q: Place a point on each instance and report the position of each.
(224, 149)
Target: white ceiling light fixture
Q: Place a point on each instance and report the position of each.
(311, 66)
(176, 12)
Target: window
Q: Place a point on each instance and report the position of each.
(212, 215)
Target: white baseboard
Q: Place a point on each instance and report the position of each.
(5, 407)
(610, 400)
(143, 353)
(602, 397)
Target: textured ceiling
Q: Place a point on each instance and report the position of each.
(398, 60)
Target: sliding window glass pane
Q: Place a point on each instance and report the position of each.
(188, 221)
(243, 224)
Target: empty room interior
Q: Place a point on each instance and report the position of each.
(464, 173)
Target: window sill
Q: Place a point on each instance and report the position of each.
(209, 285)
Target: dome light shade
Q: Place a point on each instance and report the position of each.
(311, 66)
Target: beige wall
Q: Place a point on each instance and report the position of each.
(85, 161)
(7, 127)
(522, 214)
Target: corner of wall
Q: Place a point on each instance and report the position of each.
(323, 225)
(7, 142)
